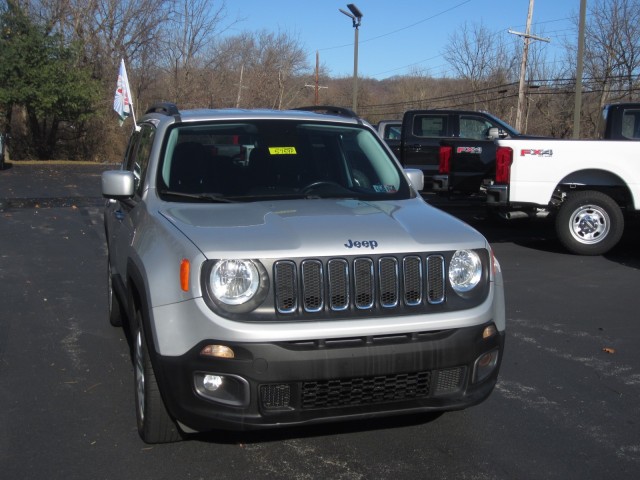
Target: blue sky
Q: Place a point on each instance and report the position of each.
(397, 36)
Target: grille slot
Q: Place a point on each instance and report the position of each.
(312, 276)
(338, 284)
(412, 267)
(389, 284)
(435, 279)
(287, 292)
(361, 283)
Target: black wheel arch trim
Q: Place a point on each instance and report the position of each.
(138, 283)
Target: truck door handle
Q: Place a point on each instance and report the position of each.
(416, 147)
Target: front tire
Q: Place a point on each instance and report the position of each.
(589, 223)
(154, 423)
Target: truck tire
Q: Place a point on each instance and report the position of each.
(154, 423)
(589, 223)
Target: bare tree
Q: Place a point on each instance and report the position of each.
(273, 66)
(193, 27)
(478, 56)
(612, 48)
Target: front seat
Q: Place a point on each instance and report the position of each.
(188, 168)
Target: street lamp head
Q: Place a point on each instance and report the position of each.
(355, 10)
(355, 15)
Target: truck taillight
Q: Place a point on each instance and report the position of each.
(445, 160)
(504, 159)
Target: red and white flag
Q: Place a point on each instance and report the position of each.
(122, 103)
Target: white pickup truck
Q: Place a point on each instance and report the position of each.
(587, 185)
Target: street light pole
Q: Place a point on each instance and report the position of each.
(356, 17)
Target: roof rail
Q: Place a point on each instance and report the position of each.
(343, 112)
(166, 108)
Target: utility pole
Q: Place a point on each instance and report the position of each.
(523, 65)
(577, 108)
(240, 87)
(317, 87)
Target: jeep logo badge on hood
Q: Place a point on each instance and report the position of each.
(372, 244)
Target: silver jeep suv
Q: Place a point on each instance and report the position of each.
(277, 268)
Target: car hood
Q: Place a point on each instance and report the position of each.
(319, 227)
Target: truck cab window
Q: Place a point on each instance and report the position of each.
(430, 126)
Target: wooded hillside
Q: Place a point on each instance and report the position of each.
(59, 62)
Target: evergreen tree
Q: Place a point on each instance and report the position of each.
(40, 76)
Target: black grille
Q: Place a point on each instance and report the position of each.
(338, 284)
(353, 392)
(364, 391)
(449, 380)
(286, 293)
(275, 396)
(361, 283)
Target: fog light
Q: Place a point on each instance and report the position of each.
(225, 389)
(218, 351)
(484, 365)
(211, 383)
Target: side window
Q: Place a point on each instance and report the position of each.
(131, 149)
(631, 123)
(430, 125)
(138, 154)
(392, 132)
(473, 127)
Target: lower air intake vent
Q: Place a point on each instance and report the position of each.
(364, 391)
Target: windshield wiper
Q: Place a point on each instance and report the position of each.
(211, 197)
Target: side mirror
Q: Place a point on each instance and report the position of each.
(416, 178)
(495, 133)
(118, 184)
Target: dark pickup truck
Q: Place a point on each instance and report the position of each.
(430, 137)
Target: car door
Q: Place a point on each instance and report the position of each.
(121, 214)
(421, 137)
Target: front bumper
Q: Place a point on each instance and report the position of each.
(293, 383)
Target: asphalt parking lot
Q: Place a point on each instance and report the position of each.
(567, 405)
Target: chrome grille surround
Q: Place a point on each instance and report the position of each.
(359, 283)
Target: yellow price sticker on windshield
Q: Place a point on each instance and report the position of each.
(282, 151)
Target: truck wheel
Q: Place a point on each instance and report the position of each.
(589, 223)
(154, 423)
(115, 309)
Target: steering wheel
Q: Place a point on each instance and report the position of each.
(321, 183)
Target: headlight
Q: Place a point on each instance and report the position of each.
(234, 282)
(465, 271)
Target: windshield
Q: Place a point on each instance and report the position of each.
(253, 160)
